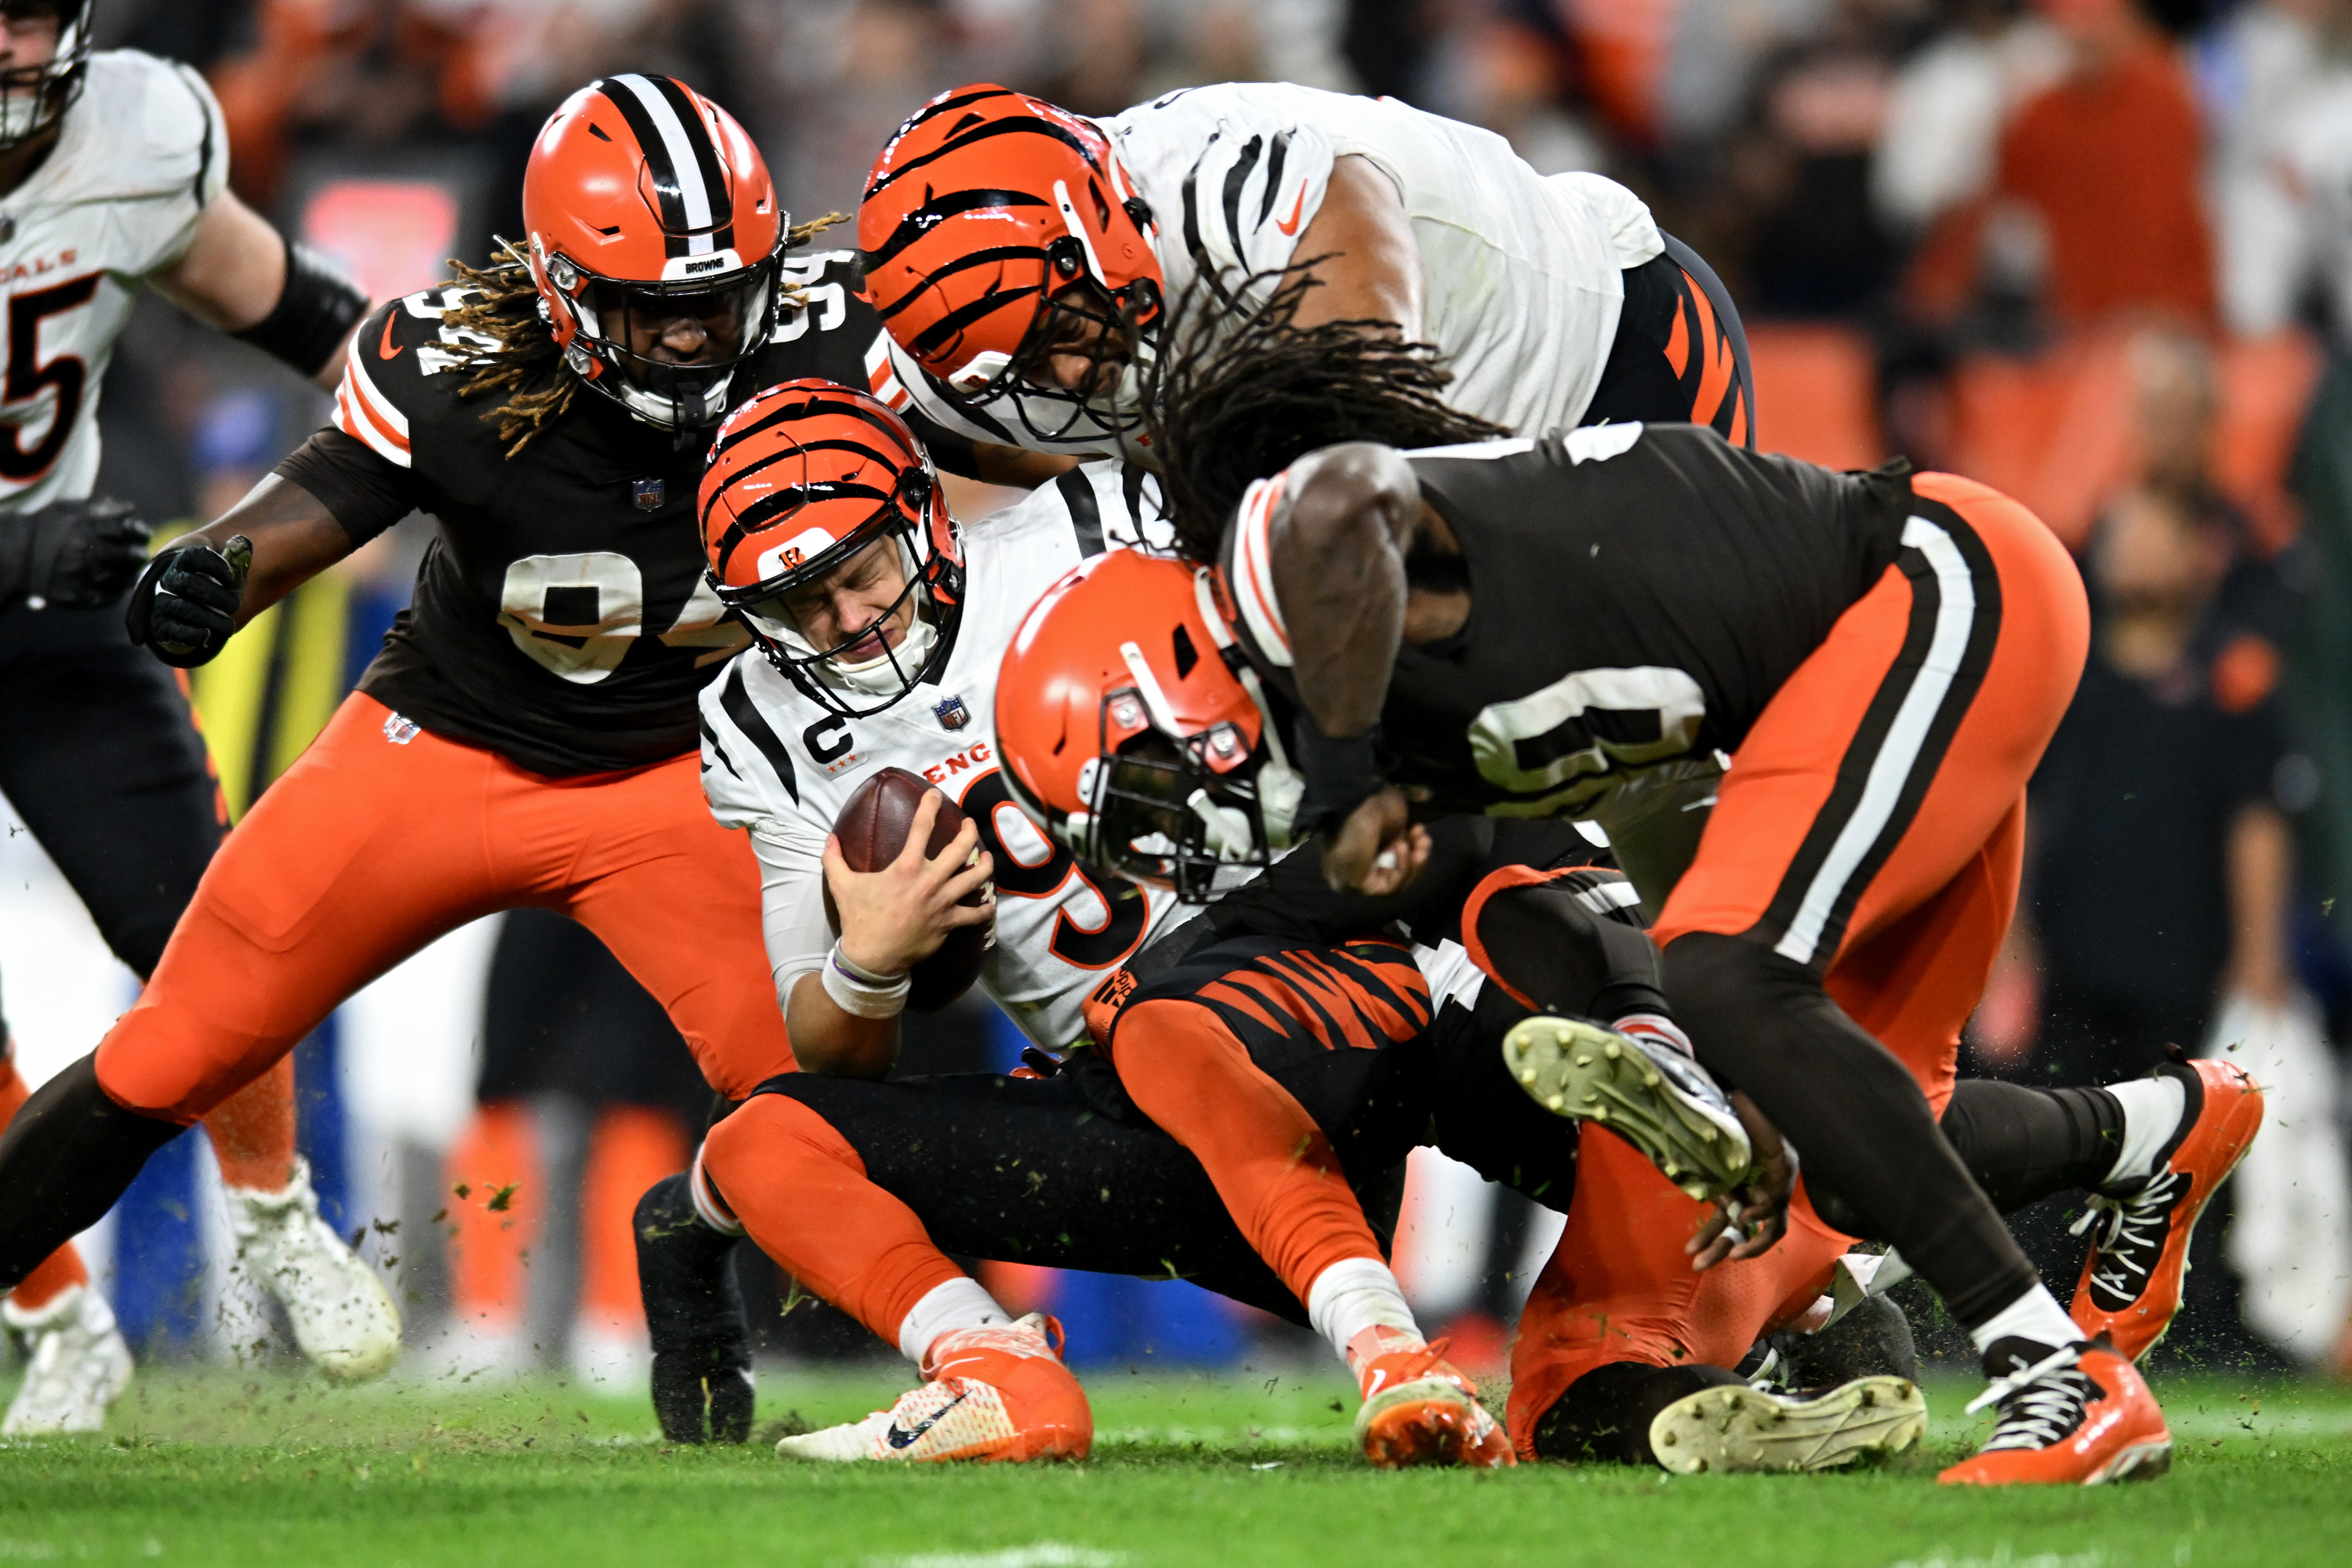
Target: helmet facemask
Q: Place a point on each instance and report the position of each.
(1076, 304)
(1201, 814)
(33, 98)
(861, 672)
(738, 312)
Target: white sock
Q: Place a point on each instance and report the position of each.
(2153, 1108)
(2034, 1316)
(961, 1303)
(1657, 1029)
(1352, 1296)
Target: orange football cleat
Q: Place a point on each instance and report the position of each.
(996, 1394)
(2131, 1282)
(1419, 1409)
(2077, 1416)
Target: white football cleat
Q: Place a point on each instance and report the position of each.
(1640, 1088)
(79, 1364)
(997, 1393)
(1740, 1430)
(343, 1316)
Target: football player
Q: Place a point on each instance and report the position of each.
(1026, 257)
(114, 169)
(1618, 1329)
(528, 734)
(1295, 1065)
(1804, 707)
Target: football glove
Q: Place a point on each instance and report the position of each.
(694, 1313)
(72, 554)
(183, 608)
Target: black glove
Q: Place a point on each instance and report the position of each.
(72, 554)
(694, 1312)
(185, 607)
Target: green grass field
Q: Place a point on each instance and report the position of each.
(255, 1470)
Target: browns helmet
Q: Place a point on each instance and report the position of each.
(802, 482)
(989, 213)
(33, 98)
(1130, 725)
(646, 203)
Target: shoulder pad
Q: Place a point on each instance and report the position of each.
(747, 774)
(148, 128)
(395, 373)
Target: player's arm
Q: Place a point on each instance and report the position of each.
(241, 275)
(1336, 556)
(843, 995)
(331, 496)
(1370, 269)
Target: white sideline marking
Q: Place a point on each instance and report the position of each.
(1043, 1554)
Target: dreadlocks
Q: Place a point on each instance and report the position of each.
(1239, 393)
(503, 341)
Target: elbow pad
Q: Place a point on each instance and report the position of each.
(313, 315)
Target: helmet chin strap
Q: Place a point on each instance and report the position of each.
(886, 674)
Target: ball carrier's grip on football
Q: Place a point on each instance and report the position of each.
(844, 1017)
(873, 833)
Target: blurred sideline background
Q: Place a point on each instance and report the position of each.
(2097, 253)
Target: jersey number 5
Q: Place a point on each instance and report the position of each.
(28, 378)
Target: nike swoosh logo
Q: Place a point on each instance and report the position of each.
(1379, 1374)
(1288, 225)
(900, 1438)
(390, 350)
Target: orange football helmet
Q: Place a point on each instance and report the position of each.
(989, 213)
(1130, 726)
(803, 480)
(645, 203)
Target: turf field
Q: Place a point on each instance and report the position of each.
(255, 1470)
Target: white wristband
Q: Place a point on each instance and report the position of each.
(857, 990)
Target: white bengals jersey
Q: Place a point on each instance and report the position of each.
(142, 152)
(1522, 275)
(777, 763)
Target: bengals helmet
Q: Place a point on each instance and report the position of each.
(646, 203)
(987, 215)
(1131, 727)
(803, 480)
(33, 98)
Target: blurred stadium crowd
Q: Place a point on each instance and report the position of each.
(2097, 253)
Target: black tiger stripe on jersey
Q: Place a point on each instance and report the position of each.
(1086, 517)
(1237, 177)
(1954, 597)
(1276, 156)
(745, 715)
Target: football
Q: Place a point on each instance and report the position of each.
(873, 830)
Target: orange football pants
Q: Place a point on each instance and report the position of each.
(1874, 829)
(370, 847)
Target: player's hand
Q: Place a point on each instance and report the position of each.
(1379, 851)
(71, 555)
(893, 919)
(184, 607)
(1750, 1220)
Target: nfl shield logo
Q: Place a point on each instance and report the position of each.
(952, 714)
(647, 493)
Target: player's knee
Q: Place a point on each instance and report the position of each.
(1725, 990)
(769, 1130)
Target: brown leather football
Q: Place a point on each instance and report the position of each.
(873, 829)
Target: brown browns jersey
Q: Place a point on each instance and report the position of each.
(561, 616)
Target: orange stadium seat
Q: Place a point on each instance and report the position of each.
(1814, 394)
(2267, 384)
